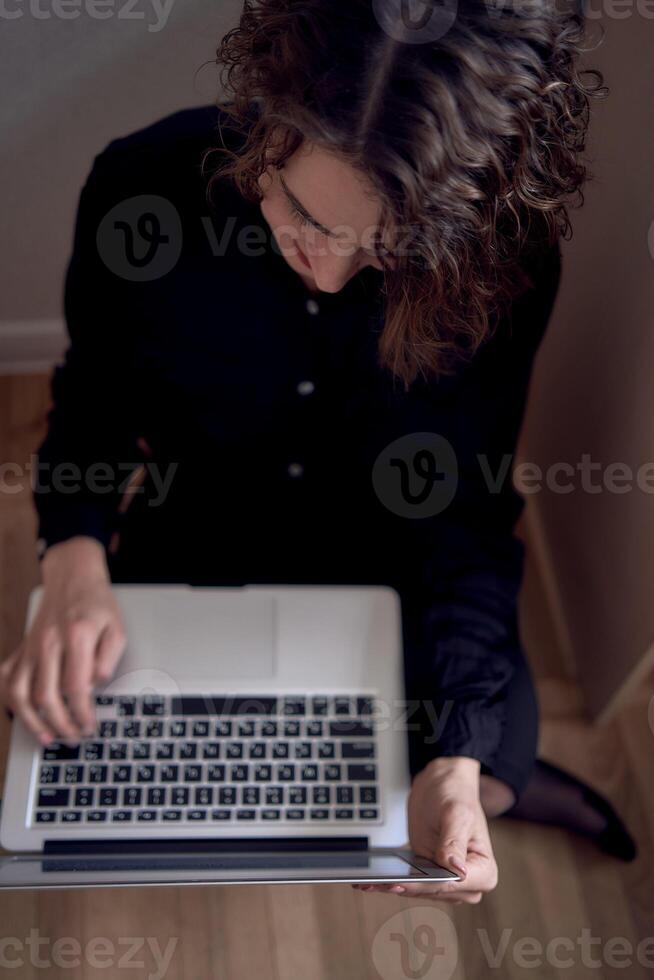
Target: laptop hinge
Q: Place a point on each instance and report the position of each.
(184, 845)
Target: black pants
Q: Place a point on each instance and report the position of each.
(515, 758)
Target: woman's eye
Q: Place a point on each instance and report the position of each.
(299, 216)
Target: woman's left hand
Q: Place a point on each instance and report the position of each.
(448, 826)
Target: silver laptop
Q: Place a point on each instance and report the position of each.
(249, 735)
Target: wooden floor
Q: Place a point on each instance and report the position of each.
(553, 886)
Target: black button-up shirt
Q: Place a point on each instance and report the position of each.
(196, 350)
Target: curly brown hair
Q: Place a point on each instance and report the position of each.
(473, 141)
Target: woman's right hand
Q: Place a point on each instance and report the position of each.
(75, 642)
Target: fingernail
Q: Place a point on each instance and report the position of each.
(45, 738)
(461, 868)
(398, 889)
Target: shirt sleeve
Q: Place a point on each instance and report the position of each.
(90, 446)
(473, 562)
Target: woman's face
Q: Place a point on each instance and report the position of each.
(323, 215)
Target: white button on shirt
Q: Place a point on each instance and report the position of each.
(312, 307)
(306, 388)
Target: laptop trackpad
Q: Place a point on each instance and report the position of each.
(214, 635)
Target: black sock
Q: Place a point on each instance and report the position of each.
(556, 797)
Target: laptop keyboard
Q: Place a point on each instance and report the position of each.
(216, 759)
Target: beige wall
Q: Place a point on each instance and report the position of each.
(593, 389)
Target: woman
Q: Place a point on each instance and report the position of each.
(414, 182)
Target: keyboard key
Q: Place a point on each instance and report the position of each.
(93, 751)
(203, 795)
(169, 774)
(121, 774)
(96, 816)
(227, 795)
(84, 796)
(107, 729)
(257, 750)
(141, 750)
(154, 729)
(117, 750)
(326, 750)
(211, 750)
(321, 794)
(53, 797)
(275, 795)
(156, 796)
(46, 816)
(262, 773)
(367, 794)
(165, 750)
(294, 706)
(319, 814)
(246, 729)
(144, 774)
(171, 815)
(286, 774)
(121, 816)
(294, 814)
(223, 729)
(97, 774)
(250, 795)
(177, 729)
(153, 705)
(49, 774)
(132, 796)
(132, 729)
(368, 813)
(342, 706)
(365, 706)
(319, 705)
(352, 727)
(228, 705)
(221, 814)
(234, 750)
(280, 750)
(291, 729)
(246, 814)
(57, 750)
(297, 795)
(108, 796)
(126, 706)
(308, 773)
(365, 773)
(345, 794)
(313, 728)
(200, 729)
(268, 814)
(71, 816)
(332, 771)
(179, 795)
(196, 814)
(269, 729)
(188, 750)
(104, 699)
(303, 750)
(146, 816)
(343, 813)
(192, 774)
(358, 750)
(239, 774)
(216, 774)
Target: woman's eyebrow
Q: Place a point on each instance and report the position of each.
(303, 211)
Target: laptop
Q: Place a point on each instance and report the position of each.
(249, 735)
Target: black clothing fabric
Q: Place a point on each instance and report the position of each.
(269, 407)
